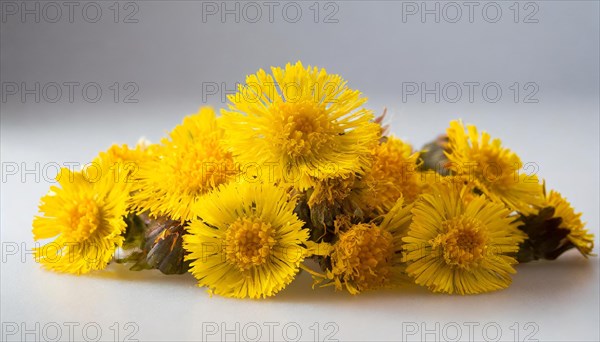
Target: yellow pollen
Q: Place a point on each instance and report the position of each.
(464, 244)
(364, 254)
(249, 242)
(83, 218)
(306, 128)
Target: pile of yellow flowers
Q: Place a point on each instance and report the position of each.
(296, 174)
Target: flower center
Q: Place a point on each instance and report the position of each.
(465, 242)
(202, 167)
(364, 254)
(84, 219)
(249, 242)
(494, 168)
(306, 128)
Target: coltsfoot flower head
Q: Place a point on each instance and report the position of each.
(330, 191)
(459, 246)
(247, 243)
(84, 214)
(190, 163)
(327, 200)
(367, 256)
(126, 159)
(496, 170)
(430, 182)
(578, 235)
(123, 153)
(303, 122)
(393, 174)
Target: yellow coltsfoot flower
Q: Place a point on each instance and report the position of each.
(126, 159)
(458, 245)
(367, 256)
(326, 201)
(85, 213)
(302, 124)
(393, 174)
(247, 242)
(190, 163)
(578, 235)
(331, 191)
(496, 170)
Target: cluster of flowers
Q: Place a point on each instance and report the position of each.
(296, 169)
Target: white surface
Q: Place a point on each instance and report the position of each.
(169, 53)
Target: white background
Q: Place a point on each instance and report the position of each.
(170, 53)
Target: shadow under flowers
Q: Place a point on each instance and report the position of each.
(121, 272)
(559, 277)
